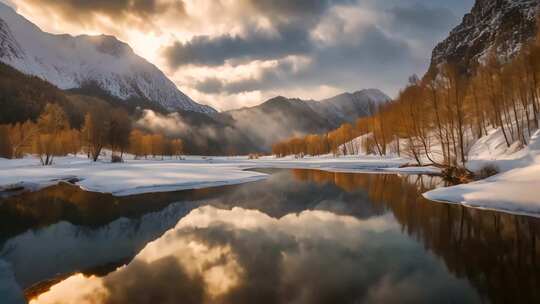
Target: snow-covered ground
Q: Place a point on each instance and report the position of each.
(143, 176)
(357, 163)
(131, 177)
(514, 190)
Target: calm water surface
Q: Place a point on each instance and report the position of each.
(301, 236)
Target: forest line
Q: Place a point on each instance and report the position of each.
(436, 119)
(103, 128)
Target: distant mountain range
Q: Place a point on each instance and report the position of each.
(348, 107)
(104, 67)
(240, 131)
(78, 71)
(87, 61)
(280, 117)
(109, 70)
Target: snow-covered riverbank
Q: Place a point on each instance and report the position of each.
(131, 177)
(516, 189)
(144, 176)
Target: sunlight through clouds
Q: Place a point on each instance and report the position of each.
(234, 53)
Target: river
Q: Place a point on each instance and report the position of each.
(300, 236)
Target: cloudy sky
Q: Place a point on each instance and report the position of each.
(233, 53)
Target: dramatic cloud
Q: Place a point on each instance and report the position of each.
(299, 8)
(89, 11)
(287, 32)
(238, 53)
(256, 45)
(422, 18)
(330, 66)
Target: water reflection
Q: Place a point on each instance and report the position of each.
(496, 252)
(66, 202)
(301, 236)
(244, 256)
(62, 248)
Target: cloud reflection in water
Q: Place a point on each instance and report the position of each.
(245, 256)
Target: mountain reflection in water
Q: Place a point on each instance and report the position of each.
(300, 236)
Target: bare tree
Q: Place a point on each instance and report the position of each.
(119, 131)
(95, 130)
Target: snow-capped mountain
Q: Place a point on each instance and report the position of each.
(502, 26)
(73, 62)
(350, 106)
(280, 118)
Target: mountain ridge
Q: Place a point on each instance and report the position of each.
(70, 62)
(360, 96)
(83, 69)
(279, 118)
(503, 26)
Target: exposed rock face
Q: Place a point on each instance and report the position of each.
(502, 26)
(9, 48)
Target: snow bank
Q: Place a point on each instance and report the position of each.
(492, 149)
(144, 176)
(132, 177)
(514, 190)
(355, 163)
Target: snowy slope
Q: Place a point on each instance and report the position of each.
(514, 190)
(72, 62)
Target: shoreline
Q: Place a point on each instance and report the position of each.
(147, 176)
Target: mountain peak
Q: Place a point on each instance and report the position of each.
(71, 62)
(109, 45)
(373, 95)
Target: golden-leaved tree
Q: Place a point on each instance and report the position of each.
(51, 124)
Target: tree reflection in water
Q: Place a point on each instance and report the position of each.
(497, 253)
